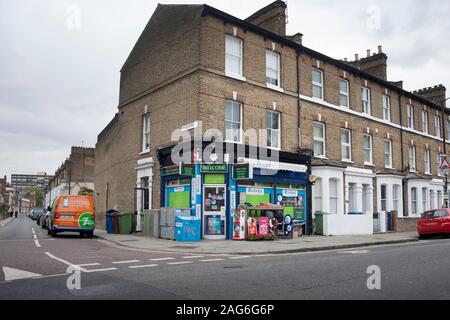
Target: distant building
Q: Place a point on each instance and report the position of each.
(74, 175)
(22, 182)
(2, 192)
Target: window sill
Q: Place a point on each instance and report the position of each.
(236, 77)
(390, 168)
(144, 152)
(347, 161)
(275, 149)
(369, 165)
(275, 88)
(321, 157)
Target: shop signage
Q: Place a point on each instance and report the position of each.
(214, 168)
(263, 226)
(181, 169)
(255, 191)
(290, 193)
(242, 172)
(178, 189)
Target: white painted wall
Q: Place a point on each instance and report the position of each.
(390, 181)
(326, 174)
(435, 185)
(340, 225)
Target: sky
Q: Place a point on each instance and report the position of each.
(60, 60)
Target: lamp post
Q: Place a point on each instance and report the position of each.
(444, 139)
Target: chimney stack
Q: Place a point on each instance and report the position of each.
(356, 57)
(375, 64)
(273, 18)
(436, 94)
(368, 53)
(380, 49)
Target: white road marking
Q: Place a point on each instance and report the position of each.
(99, 270)
(126, 262)
(143, 266)
(16, 274)
(193, 257)
(162, 259)
(354, 252)
(211, 260)
(88, 264)
(240, 257)
(51, 276)
(177, 263)
(36, 242)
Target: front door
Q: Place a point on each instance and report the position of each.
(214, 212)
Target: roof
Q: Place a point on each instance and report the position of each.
(108, 127)
(391, 172)
(416, 176)
(317, 162)
(266, 9)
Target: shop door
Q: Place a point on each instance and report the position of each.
(214, 212)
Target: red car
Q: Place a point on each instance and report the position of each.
(434, 222)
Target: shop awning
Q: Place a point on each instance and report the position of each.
(273, 165)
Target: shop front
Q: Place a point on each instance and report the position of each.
(212, 192)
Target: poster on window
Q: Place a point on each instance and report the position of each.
(264, 226)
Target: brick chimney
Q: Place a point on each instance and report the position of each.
(436, 94)
(375, 64)
(272, 18)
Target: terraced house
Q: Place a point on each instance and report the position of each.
(372, 146)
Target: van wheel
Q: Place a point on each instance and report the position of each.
(90, 234)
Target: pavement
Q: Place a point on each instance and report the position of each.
(298, 245)
(4, 222)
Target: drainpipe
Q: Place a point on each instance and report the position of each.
(404, 181)
(298, 100)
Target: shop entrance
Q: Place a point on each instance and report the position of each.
(214, 212)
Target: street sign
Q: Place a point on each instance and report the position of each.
(445, 165)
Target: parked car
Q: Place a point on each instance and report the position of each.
(44, 220)
(433, 223)
(31, 214)
(74, 214)
(37, 213)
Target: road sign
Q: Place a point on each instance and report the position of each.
(445, 165)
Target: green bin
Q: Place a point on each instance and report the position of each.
(126, 222)
(319, 223)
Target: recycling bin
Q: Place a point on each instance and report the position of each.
(126, 222)
(319, 223)
(112, 225)
(187, 229)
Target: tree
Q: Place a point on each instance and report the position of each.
(39, 194)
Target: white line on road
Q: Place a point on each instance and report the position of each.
(64, 261)
(193, 257)
(89, 264)
(162, 259)
(126, 262)
(36, 242)
(143, 266)
(99, 270)
(178, 263)
(51, 276)
(211, 260)
(240, 257)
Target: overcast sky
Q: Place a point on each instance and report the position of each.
(60, 60)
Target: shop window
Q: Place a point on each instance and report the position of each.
(178, 182)
(334, 195)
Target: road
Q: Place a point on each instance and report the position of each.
(34, 265)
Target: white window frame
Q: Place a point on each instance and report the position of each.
(318, 195)
(437, 125)
(432, 199)
(414, 210)
(344, 94)
(271, 130)
(390, 165)
(386, 108)
(346, 145)
(228, 73)
(320, 140)
(234, 122)
(333, 198)
(396, 190)
(425, 127)
(317, 84)
(427, 161)
(412, 159)
(145, 133)
(438, 164)
(425, 202)
(368, 163)
(410, 114)
(367, 106)
(278, 79)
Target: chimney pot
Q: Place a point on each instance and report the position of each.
(368, 53)
(380, 49)
(345, 59)
(356, 56)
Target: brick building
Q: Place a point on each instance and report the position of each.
(375, 145)
(75, 174)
